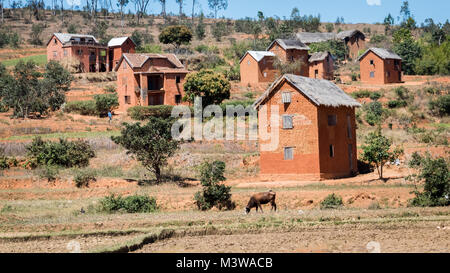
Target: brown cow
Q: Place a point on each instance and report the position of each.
(261, 198)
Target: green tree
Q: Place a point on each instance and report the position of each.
(36, 31)
(105, 103)
(377, 151)
(200, 30)
(211, 86)
(388, 23)
(435, 60)
(407, 48)
(176, 35)
(435, 176)
(151, 144)
(213, 192)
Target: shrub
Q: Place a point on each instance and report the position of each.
(213, 193)
(434, 173)
(144, 112)
(396, 103)
(375, 95)
(150, 48)
(105, 103)
(129, 204)
(110, 88)
(87, 107)
(4, 164)
(332, 201)
(49, 172)
(361, 94)
(211, 86)
(374, 112)
(63, 153)
(83, 178)
(440, 106)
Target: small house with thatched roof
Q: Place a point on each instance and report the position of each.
(321, 65)
(317, 130)
(291, 51)
(380, 66)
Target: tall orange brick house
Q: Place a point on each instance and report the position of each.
(317, 134)
(149, 79)
(92, 55)
(380, 66)
(118, 46)
(257, 66)
(321, 66)
(291, 51)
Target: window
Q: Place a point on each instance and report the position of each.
(248, 62)
(372, 74)
(331, 150)
(55, 41)
(65, 52)
(288, 153)
(287, 122)
(55, 54)
(286, 97)
(388, 74)
(177, 99)
(332, 120)
(127, 100)
(265, 74)
(292, 58)
(371, 62)
(80, 52)
(349, 127)
(178, 79)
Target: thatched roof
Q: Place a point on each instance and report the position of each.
(319, 56)
(289, 44)
(349, 33)
(382, 53)
(315, 37)
(320, 92)
(258, 55)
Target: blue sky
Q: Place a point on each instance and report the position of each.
(353, 11)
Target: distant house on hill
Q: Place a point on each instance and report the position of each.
(321, 65)
(92, 55)
(380, 66)
(290, 50)
(353, 39)
(317, 136)
(149, 79)
(257, 66)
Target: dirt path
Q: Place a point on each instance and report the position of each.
(423, 237)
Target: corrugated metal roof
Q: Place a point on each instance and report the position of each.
(136, 60)
(65, 37)
(382, 53)
(118, 41)
(320, 92)
(258, 55)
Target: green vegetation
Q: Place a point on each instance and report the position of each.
(213, 193)
(440, 106)
(176, 35)
(151, 144)
(211, 86)
(105, 103)
(129, 204)
(335, 47)
(144, 112)
(332, 201)
(85, 107)
(28, 91)
(434, 174)
(63, 153)
(377, 151)
(83, 178)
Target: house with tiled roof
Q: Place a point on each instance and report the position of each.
(149, 79)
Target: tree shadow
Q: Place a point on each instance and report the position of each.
(176, 179)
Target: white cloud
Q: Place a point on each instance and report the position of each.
(78, 2)
(373, 2)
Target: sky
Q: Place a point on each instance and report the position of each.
(353, 11)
